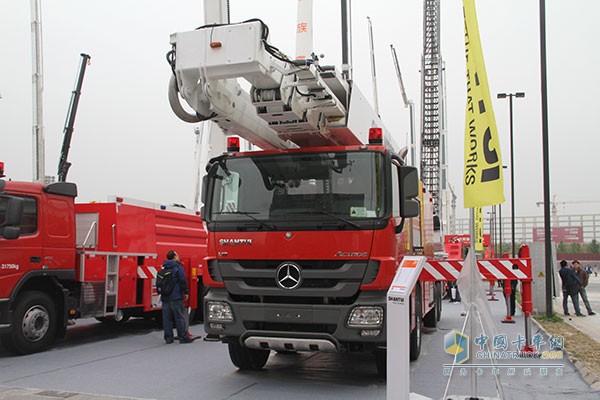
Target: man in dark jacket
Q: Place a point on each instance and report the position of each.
(570, 282)
(584, 277)
(172, 304)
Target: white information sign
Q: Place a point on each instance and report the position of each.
(398, 327)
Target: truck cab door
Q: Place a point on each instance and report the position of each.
(23, 254)
(58, 233)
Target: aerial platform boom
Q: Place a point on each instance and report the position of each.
(291, 103)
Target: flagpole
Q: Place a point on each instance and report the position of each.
(483, 178)
(472, 284)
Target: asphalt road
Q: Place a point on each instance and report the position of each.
(133, 361)
(589, 325)
(593, 293)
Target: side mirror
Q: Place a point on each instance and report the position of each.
(409, 190)
(204, 189)
(437, 225)
(11, 232)
(14, 211)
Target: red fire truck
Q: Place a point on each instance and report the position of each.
(60, 261)
(305, 236)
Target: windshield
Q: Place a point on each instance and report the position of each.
(341, 186)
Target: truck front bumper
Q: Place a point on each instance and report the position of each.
(300, 327)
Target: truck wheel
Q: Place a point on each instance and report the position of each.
(433, 316)
(439, 303)
(247, 359)
(35, 324)
(381, 362)
(113, 320)
(430, 319)
(415, 334)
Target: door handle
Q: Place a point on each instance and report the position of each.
(35, 259)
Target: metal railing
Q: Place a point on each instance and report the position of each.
(524, 226)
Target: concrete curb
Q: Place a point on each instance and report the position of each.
(586, 374)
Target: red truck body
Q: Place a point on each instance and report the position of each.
(303, 245)
(87, 260)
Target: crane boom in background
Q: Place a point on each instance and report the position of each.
(64, 164)
(554, 204)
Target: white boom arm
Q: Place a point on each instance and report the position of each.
(290, 104)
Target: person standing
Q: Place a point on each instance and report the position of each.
(570, 280)
(512, 302)
(584, 277)
(172, 303)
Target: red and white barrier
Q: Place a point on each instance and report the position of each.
(492, 269)
(505, 269)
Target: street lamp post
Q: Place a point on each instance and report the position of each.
(500, 218)
(512, 165)
(492, 244)
(500, 230)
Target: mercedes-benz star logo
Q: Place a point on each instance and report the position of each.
(289, 276)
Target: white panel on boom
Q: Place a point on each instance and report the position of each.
(291, 103)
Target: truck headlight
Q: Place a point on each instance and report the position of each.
(366, 317)
(219, 311)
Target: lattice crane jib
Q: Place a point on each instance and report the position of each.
(431, 71)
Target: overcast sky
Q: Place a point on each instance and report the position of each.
(127, 141)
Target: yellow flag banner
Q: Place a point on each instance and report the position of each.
(483, 182)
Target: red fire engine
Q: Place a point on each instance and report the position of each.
(305, 236)
(60, 261)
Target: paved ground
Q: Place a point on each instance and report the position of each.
(126, 361)
(36, 394)
(589, 325)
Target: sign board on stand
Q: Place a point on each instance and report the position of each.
(398, 327)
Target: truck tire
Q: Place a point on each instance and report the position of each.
(439, 301)
(430, 319)
(433, 316)
(415, 334)
(35, 324)
(112, 320)
(119, 318)
(247, 359)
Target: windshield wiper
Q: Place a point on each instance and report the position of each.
(249, 215)
(329, 214)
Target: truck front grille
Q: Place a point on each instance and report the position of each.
(322, 281)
